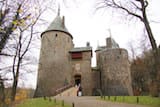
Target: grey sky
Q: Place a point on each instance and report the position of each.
(87, 25)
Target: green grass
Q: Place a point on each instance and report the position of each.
(143, 100)
(40, 102)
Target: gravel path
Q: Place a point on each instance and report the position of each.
(93, 102)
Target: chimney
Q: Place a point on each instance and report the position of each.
(88, 44)
(63, 22)
(109, 42)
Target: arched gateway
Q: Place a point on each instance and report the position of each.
(77, 79)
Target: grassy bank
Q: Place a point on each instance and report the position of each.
(40, 102)
(143, 100)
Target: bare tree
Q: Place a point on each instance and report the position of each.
(10, 19)
(137, 9)
(21, 50)
(21, 32)
(2, 96)
(20, 38)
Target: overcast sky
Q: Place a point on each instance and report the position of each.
(87, 25)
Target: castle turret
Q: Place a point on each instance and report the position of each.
(54, 66)
(114, 68)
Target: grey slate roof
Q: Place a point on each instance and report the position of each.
(57, 24)
(81, 49)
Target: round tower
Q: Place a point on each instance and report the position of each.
(54, 65)
(115, 67)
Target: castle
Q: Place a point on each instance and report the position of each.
(61, 64)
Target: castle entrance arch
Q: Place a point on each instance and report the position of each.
(77, 79)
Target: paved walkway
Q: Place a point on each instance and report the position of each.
(69, 92)
(93, 102)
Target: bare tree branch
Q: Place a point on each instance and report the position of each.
(140, 14)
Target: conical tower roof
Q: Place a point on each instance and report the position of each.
(58, 24)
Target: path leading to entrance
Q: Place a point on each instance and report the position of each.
(69, 92)
(93, 102)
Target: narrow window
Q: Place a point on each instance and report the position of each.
(56, 34)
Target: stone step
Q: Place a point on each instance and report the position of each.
(69, 92)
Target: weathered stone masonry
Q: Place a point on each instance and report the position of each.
(61, 63)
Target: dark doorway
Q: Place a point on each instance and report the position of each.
(77, 79)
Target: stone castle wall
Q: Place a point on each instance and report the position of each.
(96, 82)
(61, 63)
(54, 65)
(115, 69)
(82, 67)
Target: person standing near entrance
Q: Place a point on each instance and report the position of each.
(80, 91)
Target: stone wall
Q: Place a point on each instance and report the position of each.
(54, 66)
(96, 81)
(115, 70)
(82, 67)
(57, 68)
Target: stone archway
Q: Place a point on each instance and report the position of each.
(77, 79)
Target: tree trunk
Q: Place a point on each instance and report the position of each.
(15, 82)
(155, 51)
(14, 89)
(2, 96)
